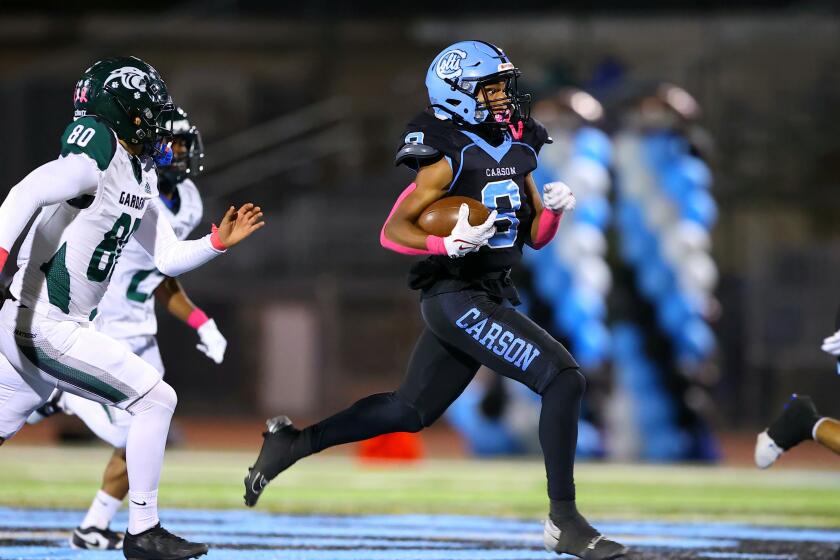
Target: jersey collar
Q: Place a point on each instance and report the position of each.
(495, 152)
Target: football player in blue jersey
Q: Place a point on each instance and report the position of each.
(475, 140)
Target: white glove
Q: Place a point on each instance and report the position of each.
(558, 197)
(832, 344)
(213, 344)
(466, 238)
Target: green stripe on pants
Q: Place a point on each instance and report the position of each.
(71, 375)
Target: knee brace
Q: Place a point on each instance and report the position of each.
(161, 395)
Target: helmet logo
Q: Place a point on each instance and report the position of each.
(449, 64)
(129, 77)
(81, 91)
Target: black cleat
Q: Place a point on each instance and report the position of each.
(276, 455)
(159, 544)
(580, 539)
(94, 538)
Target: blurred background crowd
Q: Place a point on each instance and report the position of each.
(694, 282)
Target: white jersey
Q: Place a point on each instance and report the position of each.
(68, 257)
(128, 308)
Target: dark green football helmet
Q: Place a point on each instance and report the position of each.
(130, 96)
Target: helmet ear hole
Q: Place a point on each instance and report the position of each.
(454, 102)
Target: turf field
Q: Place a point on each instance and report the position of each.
(454, 509)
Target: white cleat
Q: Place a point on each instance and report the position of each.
(766, 451)
(93, 538)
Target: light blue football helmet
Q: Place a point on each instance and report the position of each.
(457, 74)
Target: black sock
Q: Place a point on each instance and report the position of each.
(303, 445)
(369, 417)
(575, 531)
(562, 510)
(796, 423)
(558, 432)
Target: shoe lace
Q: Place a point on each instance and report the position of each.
(169, 536)
(594, 542)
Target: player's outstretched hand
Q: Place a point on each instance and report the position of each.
(239, 224)
(466, 238)
(832, 344)
(558, 197)
(213, 344)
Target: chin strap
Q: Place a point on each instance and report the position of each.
(516, 131)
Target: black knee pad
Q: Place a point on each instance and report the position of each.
(569, 381)
(401, 416)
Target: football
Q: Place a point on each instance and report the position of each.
(440, 217)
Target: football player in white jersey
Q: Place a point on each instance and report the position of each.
(127, 313)
(92, 199)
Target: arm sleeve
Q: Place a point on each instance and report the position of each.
(56, 181)
(434, 244)
(546, 228)
(172, 257)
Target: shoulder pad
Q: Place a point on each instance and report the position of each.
(417, 155)
(535, 134)
(92, 137)
(430, 131)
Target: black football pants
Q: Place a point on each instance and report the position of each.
(463, 331)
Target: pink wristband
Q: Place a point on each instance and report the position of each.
(197, 318)
(435, 245)
(215, 240)
(4, 254)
